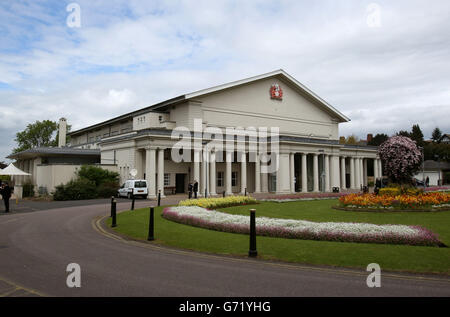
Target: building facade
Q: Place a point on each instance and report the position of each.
(308, 155)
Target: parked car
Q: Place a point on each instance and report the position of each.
(133, 188)
(419, 182)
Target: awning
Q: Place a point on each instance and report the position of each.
(12, 170)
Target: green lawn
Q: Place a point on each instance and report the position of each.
(390, 257)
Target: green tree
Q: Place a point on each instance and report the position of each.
(97, 175)
(403, 133)
(352, 139)
(378, 139)
(436, 136)
(417, 135)
(437, 152)
(37, 134)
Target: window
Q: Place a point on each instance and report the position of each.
(219, 179)
(140, 184)
(115, 132)
(234, 179)
(91, 139)
(166, 179)
(106, 135)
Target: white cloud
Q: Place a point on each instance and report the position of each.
(131, 54)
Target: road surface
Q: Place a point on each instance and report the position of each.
(36, 247)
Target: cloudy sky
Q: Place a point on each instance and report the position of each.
(384, 64)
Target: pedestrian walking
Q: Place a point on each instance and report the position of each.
(5, 191)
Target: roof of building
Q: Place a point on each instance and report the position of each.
(162, 106)
(435, 165)
(54, 151)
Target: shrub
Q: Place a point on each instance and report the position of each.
(390, 191)
(77, 189)
(213, 203)
(97, 174)
(107, 189)
(28, 190)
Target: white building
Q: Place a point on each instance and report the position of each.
(310, 157)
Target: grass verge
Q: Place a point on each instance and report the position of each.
(390, 257)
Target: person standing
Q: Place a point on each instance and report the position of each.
(6, 194)
(427, 182)
(190, 189)
(195, 189)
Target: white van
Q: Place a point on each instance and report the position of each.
(133, 188)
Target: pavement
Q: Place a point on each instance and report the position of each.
(36, 247)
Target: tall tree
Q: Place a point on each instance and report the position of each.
(436, 136)
(417, 135)
(403, 133)
(378, 139)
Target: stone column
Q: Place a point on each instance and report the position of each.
(361, 168)
(365, 182)
(161, 172)
(380, 168)
(283, 185)
(150, 171)
(316, 172)
(243, 172)
(304, 173)
(343, 180)
(352, 173)
(335, 175)
(292, 171)
(196, 166)
(375, 169)
(358, 173)
(264, 181)
(326, 157)
(257, 174)
(203, 170)
(212, 174)
(228, 190)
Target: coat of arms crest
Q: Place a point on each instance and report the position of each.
(276, 92)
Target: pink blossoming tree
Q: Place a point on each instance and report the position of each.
(401, 158)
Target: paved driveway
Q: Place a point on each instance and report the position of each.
(36, 247)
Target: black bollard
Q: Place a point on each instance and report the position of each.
(151, 225)
(112, 200)
(245, 191)
(252, 252)
(132, 203)
(223, 194)
(114, 218)
(159, 198)
(206, 193)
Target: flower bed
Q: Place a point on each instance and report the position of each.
(214, 203)
(299, 229)
(422, 202)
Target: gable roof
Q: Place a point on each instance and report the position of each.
(162, 106)
(277, 73)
